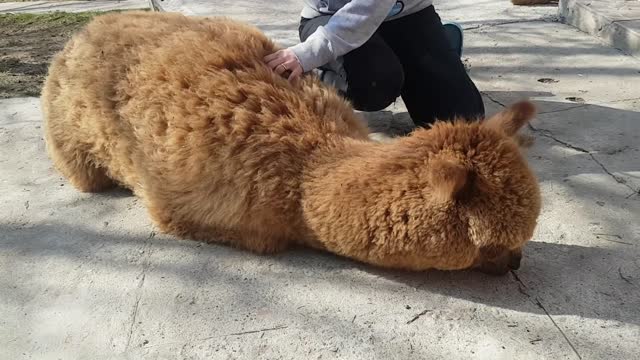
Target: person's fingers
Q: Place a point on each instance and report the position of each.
(281, 69)
(295, 74)
(273, 64)
(292, 63)
(270, 57)
(282, 61)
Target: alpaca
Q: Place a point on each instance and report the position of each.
(182, 111)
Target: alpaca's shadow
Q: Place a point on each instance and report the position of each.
(577, 278)
(116, 193)
(558, 279)
(388, 122)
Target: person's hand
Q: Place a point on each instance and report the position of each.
(284, 60)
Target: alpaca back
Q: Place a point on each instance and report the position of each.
(184, 112)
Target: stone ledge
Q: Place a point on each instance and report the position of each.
(616, 22)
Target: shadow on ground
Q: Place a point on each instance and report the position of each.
(577, 278)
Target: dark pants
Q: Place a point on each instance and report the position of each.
(409, 57)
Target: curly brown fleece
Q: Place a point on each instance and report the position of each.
(183, 112)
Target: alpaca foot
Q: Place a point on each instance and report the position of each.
(251, 241)
(500, 263)
(79, 169)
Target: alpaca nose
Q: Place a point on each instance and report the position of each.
(514, 261)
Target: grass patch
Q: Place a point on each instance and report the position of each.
(57, 18)
(27, 44)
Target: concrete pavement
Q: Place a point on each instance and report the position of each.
(87, 277)
(36, 7)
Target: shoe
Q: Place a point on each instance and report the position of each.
(454, 33)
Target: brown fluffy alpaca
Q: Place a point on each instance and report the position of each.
(220, 148)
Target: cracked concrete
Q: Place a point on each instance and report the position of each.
(561, 110)
(86, 276)
(493, 24)
(538, 303)
(615, 177)
(549, 134)
(146, 252)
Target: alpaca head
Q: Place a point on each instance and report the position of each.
(477, 172)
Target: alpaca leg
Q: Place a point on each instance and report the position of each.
(77, 167)
(251, 241)
(261, 243)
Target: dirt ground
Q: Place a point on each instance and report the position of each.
(27, 44)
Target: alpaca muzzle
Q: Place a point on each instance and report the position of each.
(501, 263)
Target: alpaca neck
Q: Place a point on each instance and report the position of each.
(344, 164)
(352, 196)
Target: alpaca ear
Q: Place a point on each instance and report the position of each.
(511, 119)
(447, 178)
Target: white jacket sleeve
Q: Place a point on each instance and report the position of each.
(349, 28)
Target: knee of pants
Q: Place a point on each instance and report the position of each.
(376, 91)
(474, 106)
(462, 100)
